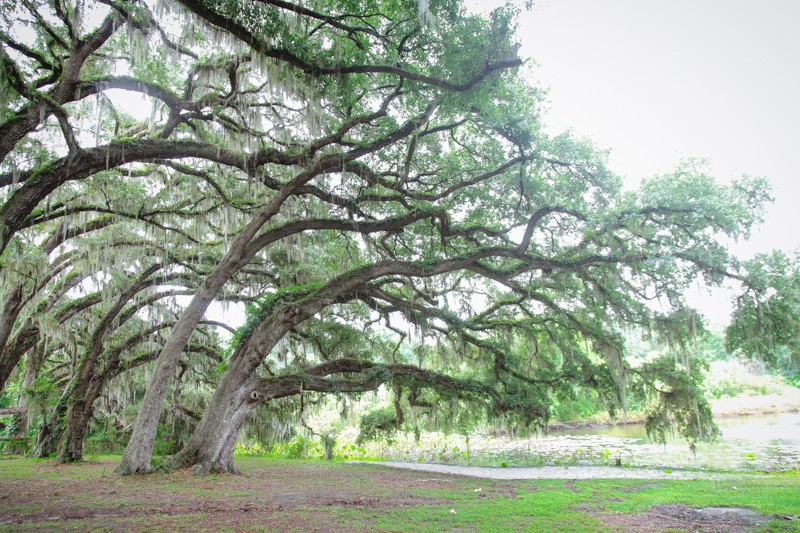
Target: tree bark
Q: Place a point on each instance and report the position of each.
(13, 352)
(139, 452)
(12, 306)
(50, 432)
(214, 440)
(79, 413)
(76, 426)
(212, 445)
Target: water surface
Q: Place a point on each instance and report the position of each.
(757, 442)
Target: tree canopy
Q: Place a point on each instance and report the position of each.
(371, 177)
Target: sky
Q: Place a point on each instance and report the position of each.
(657, 82)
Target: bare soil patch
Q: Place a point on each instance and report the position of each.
(684, 518)
(277, 497)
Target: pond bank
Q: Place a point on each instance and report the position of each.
(788, 402)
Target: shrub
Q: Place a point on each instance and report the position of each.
(377, 424)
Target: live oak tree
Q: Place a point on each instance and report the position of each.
(572, 292)
(356, 168)
(765, 325)
(114, 324)
(49, 286)
(364, 112)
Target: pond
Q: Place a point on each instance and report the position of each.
(758, 442)
(753, 442)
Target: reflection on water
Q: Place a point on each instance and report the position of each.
(747, 443)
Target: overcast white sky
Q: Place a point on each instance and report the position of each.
(658, 81)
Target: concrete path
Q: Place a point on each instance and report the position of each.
(556, 472)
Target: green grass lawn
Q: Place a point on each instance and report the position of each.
(307, 495)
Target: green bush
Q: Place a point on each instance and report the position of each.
(164, 445)
(380, 423)
(579, 408)
(297, 448)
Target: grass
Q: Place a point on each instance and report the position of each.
(578, 506)
(769, 495)
(302, 495)
(550, 506)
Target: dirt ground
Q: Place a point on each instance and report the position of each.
(62, 497)
(275, 496)
(682, 517)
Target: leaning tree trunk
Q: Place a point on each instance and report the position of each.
(139, 452)
(79, 413)
(214, 440)
(12, 306)
(212, 445)
(12, 352)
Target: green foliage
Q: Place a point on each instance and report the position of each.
(9, 426)
(109, 440)
(730, 379)
(264, 308)
(165, 443)
(765, 325)
(679, 401)
(297, 448)
(582, 406)
(320, 128)
(377, 424)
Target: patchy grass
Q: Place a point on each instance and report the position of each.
(308, 495)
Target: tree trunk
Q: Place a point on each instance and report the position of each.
(76, 425)
(32, 364)
(50, 432)
(12, 306)
(10, 354)
(212, 445)
(75, 430)
(328, 443)
(139, 451)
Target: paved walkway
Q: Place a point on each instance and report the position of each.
(556, 472)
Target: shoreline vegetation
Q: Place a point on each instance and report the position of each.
(765, 404)
(733, 388)
(560, 447)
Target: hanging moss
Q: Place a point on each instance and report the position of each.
(265, 307)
